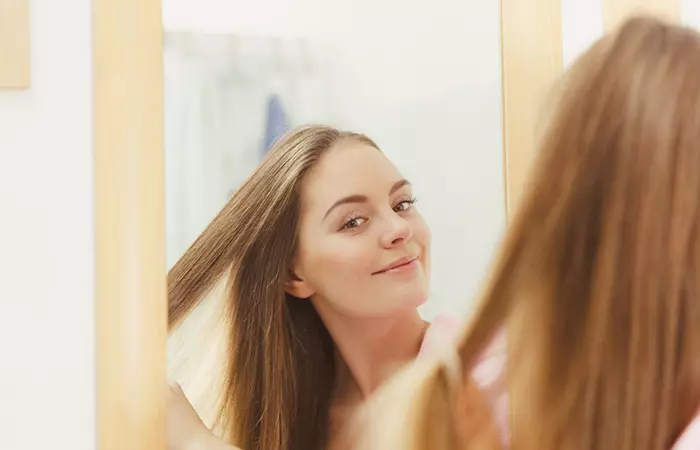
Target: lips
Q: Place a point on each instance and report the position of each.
(396, 264)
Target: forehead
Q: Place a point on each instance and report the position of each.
(348, 169)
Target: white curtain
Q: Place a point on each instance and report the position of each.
(217, 88)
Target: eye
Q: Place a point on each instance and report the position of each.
(353, 222)
(404, 205)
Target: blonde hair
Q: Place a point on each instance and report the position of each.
(597, 280)
(257, 363)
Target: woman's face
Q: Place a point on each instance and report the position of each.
(364, 249)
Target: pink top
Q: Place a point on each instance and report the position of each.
(444, 331)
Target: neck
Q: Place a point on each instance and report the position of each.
(371, 350)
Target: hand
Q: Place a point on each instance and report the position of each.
(186, 431)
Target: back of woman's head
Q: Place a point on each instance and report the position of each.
(597, 280)
(275, 355)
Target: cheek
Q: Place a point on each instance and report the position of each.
(338, 263)
(421, 232)
(422, 236)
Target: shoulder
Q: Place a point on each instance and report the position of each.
(442, 334)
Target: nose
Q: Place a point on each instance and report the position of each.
(399, 231)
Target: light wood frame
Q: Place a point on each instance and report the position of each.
(531, 60)
(131, 306)
(14, 44)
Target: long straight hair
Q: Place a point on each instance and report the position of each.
(272, 374)
(598, 278)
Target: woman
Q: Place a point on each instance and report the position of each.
(323, 260)
(598, 279)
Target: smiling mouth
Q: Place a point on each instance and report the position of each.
(397, 264)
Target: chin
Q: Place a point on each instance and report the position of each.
(388, 306)
(412, 300)
(419, 301)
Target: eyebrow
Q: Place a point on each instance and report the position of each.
(357, 198)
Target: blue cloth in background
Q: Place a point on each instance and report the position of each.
(276, 122)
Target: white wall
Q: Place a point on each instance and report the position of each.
(425, 83)
(46, 253)
(690, 13)
(582, 24)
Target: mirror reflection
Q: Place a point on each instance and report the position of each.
(311, 262)
(424, 83)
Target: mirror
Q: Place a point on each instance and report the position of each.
(424, 83)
